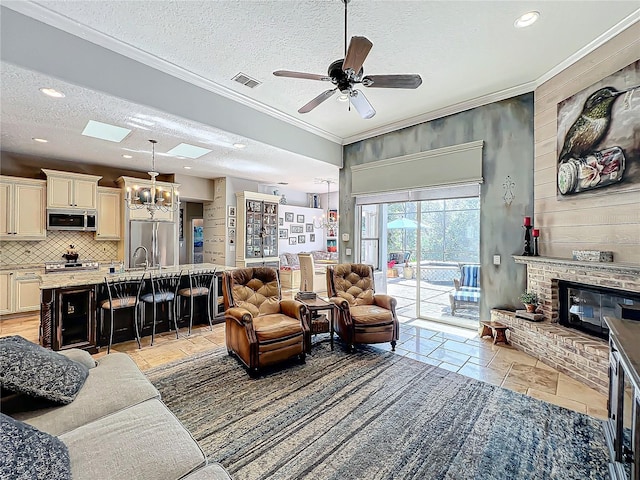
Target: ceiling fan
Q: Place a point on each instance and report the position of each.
(347, 72)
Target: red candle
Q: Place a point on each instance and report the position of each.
(527, 221)
(535, 232)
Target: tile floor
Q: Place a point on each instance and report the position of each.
(452, 348)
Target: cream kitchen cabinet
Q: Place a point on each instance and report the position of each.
(67, 190)
(22, 210)
(6, 292)
(19, 291)
(109, 214)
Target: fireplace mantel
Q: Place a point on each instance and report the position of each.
(611, 267)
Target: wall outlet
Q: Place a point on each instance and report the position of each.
(347, 252)
(496, 259)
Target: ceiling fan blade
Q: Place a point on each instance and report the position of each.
(359, 48)
(392, 81)
(361, 104)
(317, 101)
(306, 76)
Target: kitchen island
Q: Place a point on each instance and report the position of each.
(70, 303)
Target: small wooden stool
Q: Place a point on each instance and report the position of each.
(496, 330)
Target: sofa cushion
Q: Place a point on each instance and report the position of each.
(275, 326)
(26, 367)
(370, 314)
(29, 454)
(116, 383)
(145, 442)
(80, 356)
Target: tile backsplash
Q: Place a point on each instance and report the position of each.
(51, 249)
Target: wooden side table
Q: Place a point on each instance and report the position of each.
(320, 323)
(497, 331)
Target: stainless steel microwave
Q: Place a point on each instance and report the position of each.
(84, 221)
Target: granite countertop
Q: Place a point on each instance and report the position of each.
(22, 266)
(94, 277)
(626, 335)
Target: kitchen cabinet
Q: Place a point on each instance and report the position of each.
(6, 293)
(27, 291)
(257, 229)
(19, 291)
(22, 211)
(109, 214)
(71, 191)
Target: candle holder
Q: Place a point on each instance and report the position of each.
(528, 252)
(536, 252)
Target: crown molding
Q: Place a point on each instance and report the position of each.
(72, 27)
(443, 112)
(590, 47)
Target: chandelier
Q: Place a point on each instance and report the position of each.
(328, 220)
(154, 198)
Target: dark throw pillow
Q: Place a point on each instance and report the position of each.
(26, 453)
(31, 369)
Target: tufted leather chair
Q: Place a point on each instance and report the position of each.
(363, 316)
(261, 328)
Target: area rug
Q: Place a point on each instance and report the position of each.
(374, 415)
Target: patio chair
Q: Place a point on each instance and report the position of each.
(363, 316)
(467, 293)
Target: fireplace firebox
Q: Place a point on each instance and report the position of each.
(584, 306)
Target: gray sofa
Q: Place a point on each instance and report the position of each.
(118, 428)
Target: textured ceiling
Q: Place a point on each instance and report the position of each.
(463, 50)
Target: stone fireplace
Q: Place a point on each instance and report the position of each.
(577, 354)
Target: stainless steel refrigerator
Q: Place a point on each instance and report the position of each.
(159, 238)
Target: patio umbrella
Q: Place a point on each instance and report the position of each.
(404, 224)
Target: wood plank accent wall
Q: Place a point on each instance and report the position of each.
(610, 221)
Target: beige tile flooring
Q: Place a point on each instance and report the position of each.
(452, 348)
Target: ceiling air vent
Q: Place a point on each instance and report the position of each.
(246, 80)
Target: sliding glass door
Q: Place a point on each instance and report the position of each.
(423, 246)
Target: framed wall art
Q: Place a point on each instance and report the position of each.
(293, 241)
(296, 229)
(288, 217)
(301, 239)
(598, 143)
(231, 211)
(300, 218)
(308, 227)
(283, 233)
(312, 237)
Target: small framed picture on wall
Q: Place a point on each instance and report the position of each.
(232, 236)
(293, 241)
(301, 239)
(231, 222)
(300, 218)
(288, 216)
(308, 227)
(283, 233)
(281, 221)
(312, 237)
(231, 211)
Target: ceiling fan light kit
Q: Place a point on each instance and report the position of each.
(348, 72)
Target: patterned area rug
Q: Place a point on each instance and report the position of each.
(374, 415)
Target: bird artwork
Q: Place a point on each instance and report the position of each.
(592, 124)
(598, 135)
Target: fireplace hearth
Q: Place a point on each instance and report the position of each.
(584, 307)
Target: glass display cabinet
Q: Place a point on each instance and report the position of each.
(257, 230)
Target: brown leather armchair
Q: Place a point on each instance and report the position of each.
(261, 328)
(363, 316)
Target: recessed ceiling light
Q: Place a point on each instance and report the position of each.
(343, 98)
(104, 131)
(189, 151)
(283, 183)
(186, 167)
(527, 19)
(40, 140)
(52, 92)
(127, 156)
(239, 146)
